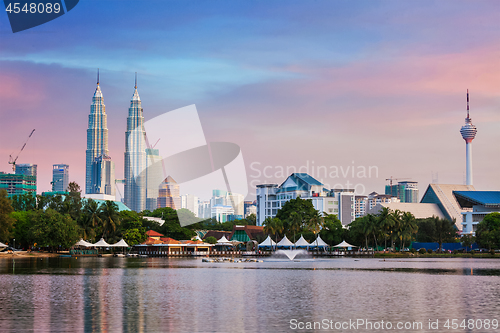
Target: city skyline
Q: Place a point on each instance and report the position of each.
(350, 87)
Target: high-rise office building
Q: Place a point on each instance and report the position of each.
(135, 155)
(405, 191)
(103, 175)
(17, 184)
(60, 177)
(468, 132)
(27, 169)
(97, 146)
(154, 177)
(169, 194)
(190, 202)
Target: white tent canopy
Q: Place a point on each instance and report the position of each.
(224, 241)
(121, 243)
(301, 242)
(285, 242)
(344, 244)
(81, 242)
(319, 242)
(2, 245)
(101, 243)
(267, 242)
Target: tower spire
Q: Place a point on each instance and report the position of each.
(467, 103)
(135, 80)
(98, 76)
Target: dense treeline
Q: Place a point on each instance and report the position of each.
(393, 229)
(59, 221)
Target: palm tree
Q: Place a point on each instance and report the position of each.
(90, 219)
(295, 223)
(316, 224)
(372, 221)
(110, 218)
(386, 222)
(409, 227)
(273, 226)
(396, 230)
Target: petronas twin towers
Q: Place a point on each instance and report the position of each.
(100, 178)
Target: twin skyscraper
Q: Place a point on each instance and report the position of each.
(100, 169)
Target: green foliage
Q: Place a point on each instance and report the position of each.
(412, 250)
(435, 229)
(53, 229)
(488, 231)
(251, 219)
(467, 241)
(210, 240)
(134, 236)
(22, 228)
(429, 251)
(333, 231)
(298, 215)
(421, 251)
(24, 202)
(6, 221)
(110, 219)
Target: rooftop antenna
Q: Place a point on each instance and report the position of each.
(98, 76)
(467, 103)
(136, 81)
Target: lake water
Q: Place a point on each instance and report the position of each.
(187, 295)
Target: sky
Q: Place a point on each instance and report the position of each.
(324, 87)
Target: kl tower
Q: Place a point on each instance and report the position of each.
(468, 132)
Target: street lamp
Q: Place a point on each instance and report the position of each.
(14, 243)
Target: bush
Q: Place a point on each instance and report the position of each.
(492, 251)
(429, 251)
(412, 250)
(473, 252)
(421, 251)
(455, 251)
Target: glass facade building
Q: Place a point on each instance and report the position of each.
(97, 146)
(135, 156)
(60, 177)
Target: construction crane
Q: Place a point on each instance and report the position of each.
(391, 179)
(13, 160)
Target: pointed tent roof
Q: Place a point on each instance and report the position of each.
(2, 245)
(81, 242)
(344, 244)
(223, 239)
(268, 242)
(319, 242)
(121, 243)
(301, 242)
(285, 242)
(101, 243)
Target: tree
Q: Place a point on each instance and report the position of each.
(273, 226)
(386, 223)
(6, 221)
(52, 229)
(333, 231)
(409, 227)
(24, 202)
(90, 219)
(110, 218)
(296, 214)
(467, 241)
(134, 236)
(252, 219)
(445, 231)
(22, 226)
(210, 240)
(488, 231)
(426, 230)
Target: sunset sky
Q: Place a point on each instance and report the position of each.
(293, 83)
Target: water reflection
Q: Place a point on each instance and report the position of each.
(162, 295)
